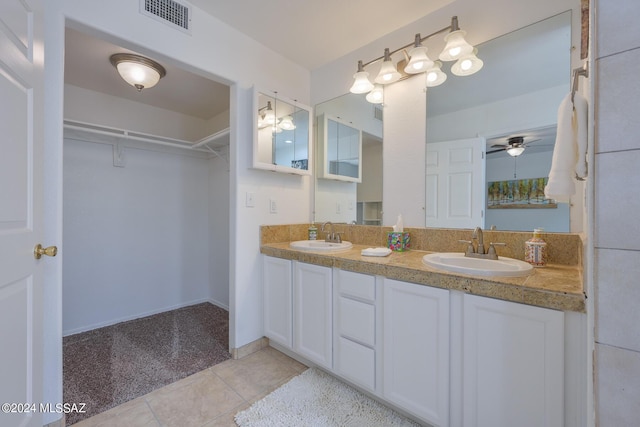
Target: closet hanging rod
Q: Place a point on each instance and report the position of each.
(577, 72)
(122, 133)
(211, 138)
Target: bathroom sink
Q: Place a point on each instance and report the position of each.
(320, 246)
(457, 262)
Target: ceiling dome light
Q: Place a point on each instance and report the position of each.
(376, 96)
(361, 82)
(456, 46)
(388, 72)
(435, 76)
(138, 71)
(467, 64)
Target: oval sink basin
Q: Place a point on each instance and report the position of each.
(457, 262)
(320, 246)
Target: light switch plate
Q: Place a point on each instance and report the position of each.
(250, 200)
(273, 206)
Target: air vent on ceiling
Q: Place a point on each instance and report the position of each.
(176, 14)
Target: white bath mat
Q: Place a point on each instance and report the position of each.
(316, 399)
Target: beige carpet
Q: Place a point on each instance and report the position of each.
(314, 399)
(109, 366)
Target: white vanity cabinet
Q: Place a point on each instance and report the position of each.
(416, 349)
(312, 313)
(512, 364)
(278, 299)
(356, 329)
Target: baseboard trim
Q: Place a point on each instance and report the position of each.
(247, 349)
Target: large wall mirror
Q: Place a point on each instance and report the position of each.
(526, 74)
(282, 140)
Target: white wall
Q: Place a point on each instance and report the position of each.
(135, 237)
(219, 232)
(617, 235)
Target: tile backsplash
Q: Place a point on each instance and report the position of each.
(564, 248)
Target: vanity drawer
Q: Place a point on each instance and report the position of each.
(356, 362)
(357, 285)
(356, 321)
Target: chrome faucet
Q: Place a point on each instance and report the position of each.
(332, 236)
(478, 251)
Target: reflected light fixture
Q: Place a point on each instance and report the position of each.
(515, 150)
(138, 71)
(376, 96)
(286, 123)
(456, 49)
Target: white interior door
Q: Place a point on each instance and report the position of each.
(21, 206)
(455, 184)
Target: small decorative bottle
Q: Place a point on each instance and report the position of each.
(313, 232)
(535, 252)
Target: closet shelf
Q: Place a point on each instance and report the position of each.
(201, 145)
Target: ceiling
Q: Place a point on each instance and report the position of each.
(314, 33)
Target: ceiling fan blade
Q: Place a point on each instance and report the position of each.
(532, 141)
(496, 151)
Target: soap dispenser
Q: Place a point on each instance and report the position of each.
(535, 252)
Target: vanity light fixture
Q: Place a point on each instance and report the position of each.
(267, 116)
(138, 71)
(388, 71)
(456, 49)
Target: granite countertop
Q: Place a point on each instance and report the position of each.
(555, 286)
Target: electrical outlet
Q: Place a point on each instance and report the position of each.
(350, 205)
(273, 206)
(250, 200)
(338, 208)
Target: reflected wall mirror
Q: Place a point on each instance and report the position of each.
(282, 136)
(509, 97)
(339, 150)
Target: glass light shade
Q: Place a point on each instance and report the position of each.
(467, 65)
(269, 117)
(138, 71)
(388, 72)
(419, 61)
(456, 46)
(435, 76)
(361, 83)
(515, 151)
(287, 123)
(376, 96)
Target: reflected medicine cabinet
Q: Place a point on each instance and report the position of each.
(339, 150)
(282, 134)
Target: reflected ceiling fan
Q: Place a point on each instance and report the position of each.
(514, 145)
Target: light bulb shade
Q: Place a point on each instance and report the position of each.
(435, 76)
(138, 71)
(286, 123)
(467, 65)
(456, 46)
(515, 150)
(269, 117)
(419, 61)
(376, 96)
(361, 83)
(388, 73)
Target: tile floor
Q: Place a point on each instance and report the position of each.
(209, 398)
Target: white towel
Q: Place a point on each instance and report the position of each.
(569, 153)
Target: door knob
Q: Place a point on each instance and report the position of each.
(38, 251)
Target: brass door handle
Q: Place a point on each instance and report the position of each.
(38, 251)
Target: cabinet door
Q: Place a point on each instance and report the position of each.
(513, 359)
(278, 318)
(416, 349)
(312, 313)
